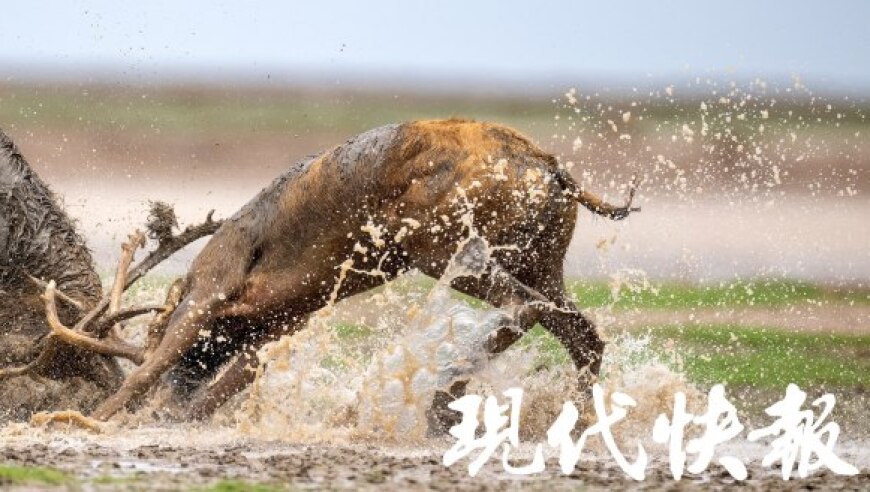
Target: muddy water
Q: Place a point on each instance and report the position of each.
(160, 456)
(311, 386)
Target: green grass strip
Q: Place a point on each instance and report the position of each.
(763, 357)
(31, 475)
(758, 293)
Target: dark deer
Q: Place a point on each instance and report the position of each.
(392, 199)
(39, 241)
(42, 257)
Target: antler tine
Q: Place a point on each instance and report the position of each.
(60, 294)
(128, 249)
(169, 246)
(11, 372)
(166, 248)
(125, 314)
(77, 338)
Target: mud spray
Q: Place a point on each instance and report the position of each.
(322, 386)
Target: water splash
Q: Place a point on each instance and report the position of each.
(322, 385)
(376, 391)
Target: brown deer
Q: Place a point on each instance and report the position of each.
(392, 199)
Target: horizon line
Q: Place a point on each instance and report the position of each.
(453, 83)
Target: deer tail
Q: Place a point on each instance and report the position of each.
(595, 203)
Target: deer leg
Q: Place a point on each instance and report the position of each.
(500, 290)
(237, 374)
(182, 332)
(572, 328)
(579, 337)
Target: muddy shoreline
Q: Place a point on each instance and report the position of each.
(166, 467)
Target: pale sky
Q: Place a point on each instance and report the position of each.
(452, 41)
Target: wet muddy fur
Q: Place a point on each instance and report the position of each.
(395, 198)
(39, 239)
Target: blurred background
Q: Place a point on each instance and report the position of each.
(747, 120)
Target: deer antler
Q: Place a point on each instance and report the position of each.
(93, 331)
(128, 250)
(157, 327)
(42, 285)
(42, 360)
(76, 337)
(167, 246)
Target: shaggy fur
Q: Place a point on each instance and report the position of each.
(38, 238)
